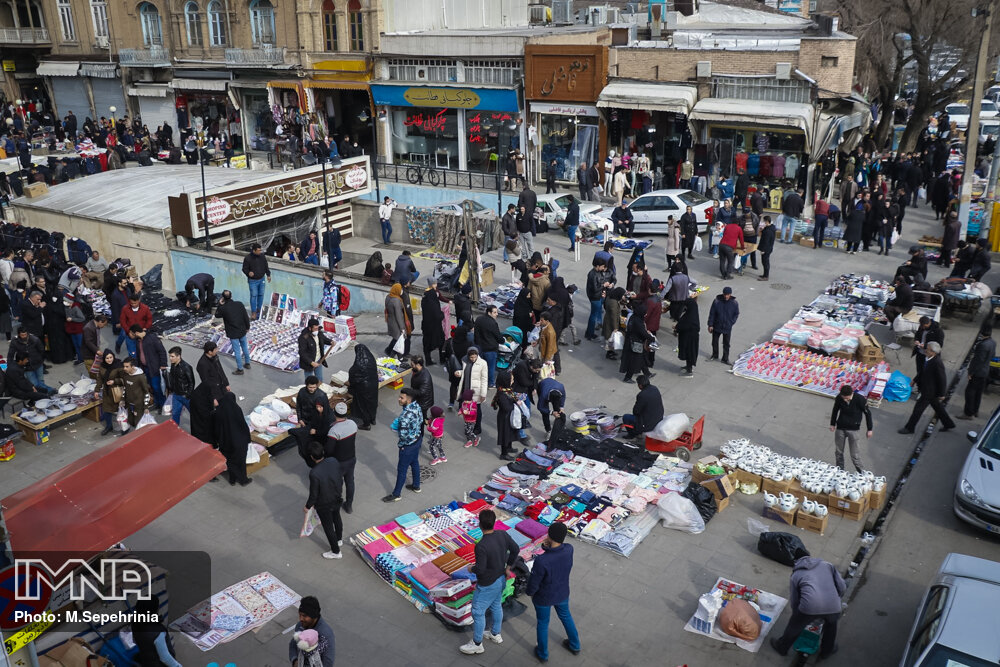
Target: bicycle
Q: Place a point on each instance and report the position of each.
(415, 175)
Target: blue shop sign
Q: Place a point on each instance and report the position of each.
(494, 99)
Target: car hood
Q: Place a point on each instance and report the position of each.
(986, 482)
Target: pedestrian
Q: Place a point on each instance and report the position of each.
(309, 249)
(210, 372)
(583, 180)
(551, 401)
(432, 322)
(612, 319)
(933, 385)
(435, 426)
(397, 323)
(523, 223)
(901, 302)
(599, 280)
(341, 445)
(887, 226)
(409, 426)
(979, 372)
(572, 222)
(548, 587)
(594, 179)
(816, 588)
(569, 312)
(687, 327)
(180, 384)
(422, 384)
(326, 495)
(75, 319)
(620, 183)
(236, 323)
(949, 240)
(204, 285)
(981, 262)
(855, 224)
(689, 232)
(233, 437)
(384, 214)
(673, 245)
(495, 554)
(313, 347)
(722, 318)
(310, 619)
(331, 246)
(90, 344)
(152, 359)
(469, 409)
(623, 220)
(550, 177)
(362, 378)
(647, 411)
(137, 395)
(637, 339)
(732, 237)
(845, 421)
(405, 272)
(473, 377)
(103, 391)
(548, 340)
(963, 259)
(508, 225)
(527, 199)
(256, 270)
(487, 338)
(135, 312)
(928, 331)
(313, 417)
(765, 245)
(152, 641)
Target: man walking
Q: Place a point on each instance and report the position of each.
(933, 385)
(722, 318)
(928, 331)
(340, 445)
(312, 350)
(689, 232)
(766, 246)
(180, 384)
(236, 323)
(816, 591)
(549, 587)
(326, 495)
(979, 371)
(791, 210)
(845, 422)
(508, 225)
(256, 270)
(384, 213)
(210, 371)
(409, 425)
(599, 279)
(488, 339)
(583, 180)
(152, 359)
(495, 554)
(550, 177)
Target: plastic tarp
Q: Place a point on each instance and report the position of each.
(111, 493)
(674, 98)
(753, 112)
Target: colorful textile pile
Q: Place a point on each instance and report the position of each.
(806, 371)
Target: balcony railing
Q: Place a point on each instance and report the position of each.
(154, 56)
(261, 57)
(24, 36)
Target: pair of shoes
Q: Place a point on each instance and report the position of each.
(468, 444)
(763, 278)
(471, 648)
(391, 499)
(569, 648)
(349, 509)
(415, 489)
(246, 365)
(495, 638)
(329, 555)
(246, 482)
(238, 371)
(774, 644)
(905, 431)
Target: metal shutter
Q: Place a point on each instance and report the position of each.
(154, 111)
(71, 95)
(108, 93)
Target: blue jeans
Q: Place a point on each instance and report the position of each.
(256, 294)
(318, 372)
(571, 233)
(409, 459)
(238, 345)
(483, 598)
(386, 231)
(506, 240)
(312, 259)
(596, 316)
(787, 228)
(155, 384)
(334, 256)
(130, 346)
(36, 377)
(542, 627)
(819, 230)
(177, 404)
(491, 363)
(121, 339)
(77, 342)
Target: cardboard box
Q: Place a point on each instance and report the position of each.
(796, 490)
(721, 487)
(843, 354)
(845, 507)
(773, 486)
(869, 350)
(744, 477)
(265, 460)
(811, 522)
(721, 504)
(831, 243)
(807, 242)
(876, 499)
(35, 190)
(700, 476)
(487, 276)
(775, 514)
(74, 653)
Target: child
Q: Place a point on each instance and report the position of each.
(469, 411)
(435, 424)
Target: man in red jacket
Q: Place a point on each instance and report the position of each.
(135, 312)
(732, 236)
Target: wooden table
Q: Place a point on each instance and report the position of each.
(37, 434)
(393, 378)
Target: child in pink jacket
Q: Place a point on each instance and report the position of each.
(435, 424)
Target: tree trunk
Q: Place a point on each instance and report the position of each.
(914, 127)
(884, 127)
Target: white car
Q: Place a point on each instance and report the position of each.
(959, 114)
(650, 210)
(456, 206)
(954, 627)
(988, 109)
(977, 493)
(554, 208)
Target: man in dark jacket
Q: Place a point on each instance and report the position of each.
(927, 331)
(33, 349)
(949, 239)
(152, 359)
(981, 262)
(722, 318)
(309, 249)
(91, 345)
(901, 302)
(848, 409)
(422, 383)
(236, 322)
(256, 270)
(180, 384)
(623, 220)
(18, 384)
(598, 280)
(312, 349)
(979, 372)
(487, 338)
(331, 246)
(933, 385)
(405, 272)
(765, 244)
(528, 199)
(648, 409)
(495, 553)
(583, 180)
(523, 219)
(757, 203)
(550, 177)
(548, 587)
(508, 225)
(210, 371)
(204, 284)
(816, 591)
(33, 314)
(791, 210)
(326, 495)
(689, 232)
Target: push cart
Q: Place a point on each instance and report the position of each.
(682, 446)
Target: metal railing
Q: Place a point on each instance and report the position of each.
(154, 56)
(418, 174)
(265, 55)
(24, 35)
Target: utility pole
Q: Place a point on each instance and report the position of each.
(972, 132)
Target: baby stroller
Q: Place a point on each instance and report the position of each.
(509, 348)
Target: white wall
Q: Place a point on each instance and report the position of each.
(410, 15)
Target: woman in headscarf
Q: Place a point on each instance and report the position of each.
(654, 314)
(362, 378)
(504, 402)
(233, 435)
(432, 322)
(201, 410)
(560, 294)
(524, 314)
(637, 339)
(396, 321)
(151, 637)
(688, 326)
(109, 406)
(373, 269)
(463, 305)
(612, 318)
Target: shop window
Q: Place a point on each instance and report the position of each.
(66, 21)
(482, 130)
(329, 26)
(262, 22)
(99, 15)
(216, 23)
(408, 69)
(426, 136)
(356, 22)
(569, 141)
(152, 31)
(192, 19)
(761, 88)
(829, 61)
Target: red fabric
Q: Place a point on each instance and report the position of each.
(467, 553)
(103, 159)
(111, 493)
(476, 506)
(732, 236)
(143, 316)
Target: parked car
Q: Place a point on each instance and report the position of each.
(954, 626)
(959, 114)
(977, 493)
(650, 210)
(456, 206)
(988, 109)
(554, 208)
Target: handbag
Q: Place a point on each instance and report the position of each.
(117, 393)
(637, 347)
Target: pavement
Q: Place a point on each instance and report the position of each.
(629, 611)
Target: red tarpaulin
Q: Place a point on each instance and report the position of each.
(111, 493)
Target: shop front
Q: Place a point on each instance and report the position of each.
(205, 105)
(562, 85)
(449, 127)
(157, 107)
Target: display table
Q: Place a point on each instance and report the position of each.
(393, 379)
(39, 433)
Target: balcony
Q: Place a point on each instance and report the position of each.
(154, 56)
(21, 36)
(265, 56)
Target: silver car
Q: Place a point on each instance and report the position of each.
(977, 493)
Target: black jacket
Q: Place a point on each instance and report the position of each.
(933, 333)
(765, 242)
(325, 484)
(403, 273)
(305, 405)
(529, 200)
(307, 348)
(256, 265)
(648, 409)
(933, 381)
(723, 314)
(903, 298)
(621, 215)
(982, 355)
(18, 385)
(154, 353)
(180, 379)
(463, 308)
(847, 414)
(595, 283)
(981, 263)
(235, 319)
(757, 203)
(33, 347)
(422, 383)
(211, 373)
(689, 225)
(31, 318)
(550, 175)
(508, 223)
(487, 334)
(793, 205)
(573, 214)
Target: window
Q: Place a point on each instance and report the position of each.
(66, 21)
(192, 18)
(99, 14)
(262, 22)
(329, 26)
(152, 33)
(829, 61)
(496, 72)
(357, 24)
(761, 88)
(423, 70)
(216, 24)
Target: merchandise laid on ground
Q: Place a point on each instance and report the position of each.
(435, 256)
(621, 242)
(737, 614)
(276, 414)
(502, 296)
(73, 399)
(391, 371)
(238, 609)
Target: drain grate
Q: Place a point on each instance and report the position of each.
(427, 473)
(780, 286)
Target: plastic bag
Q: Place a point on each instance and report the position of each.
(784, 548)
(739, 619)
(146, 420)
(894, 239)
(253, 456)
(680, 513)
(737, 262)
(756, 527)
(922, 193)
(617, 341)
(702, 498)
(709, 606)
(516, 419)
(122, 419)
(154, 279)
(400, 345)
(309, 523)
(671, 427)
(897, 389)
(168, 405)
(697, 244)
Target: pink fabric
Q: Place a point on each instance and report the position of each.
(429, 575)
(531, 528)
(437, 427)
(387, 528)
(377, 547)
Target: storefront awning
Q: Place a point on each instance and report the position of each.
(754, 113)
(149, 90)
(289, 85)
(447, 97)
(110, 493)
(675, 98)
(99, 70)
(218, 85)
(337, 85)
(58, 69)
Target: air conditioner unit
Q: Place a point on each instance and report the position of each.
(537, 14)
(704, 69)
(783, 71)
(562, 11)
(612, 15)
(102, 41)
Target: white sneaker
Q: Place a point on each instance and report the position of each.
(329, 555)
(340, 543)
(496, 639)
(472, 648)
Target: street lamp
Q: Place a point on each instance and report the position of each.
(380, 116)
(190, 146)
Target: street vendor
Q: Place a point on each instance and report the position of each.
(204, 284)
(647, 411)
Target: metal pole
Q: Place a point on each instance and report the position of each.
(972, 132)
(204, 195)
(375, 153)
(326, 202)
(499, 178)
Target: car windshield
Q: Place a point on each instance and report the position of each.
(563, 202)
(692, 198)
(989, 106)
(957, 109)
(942, 656)
(989, 444)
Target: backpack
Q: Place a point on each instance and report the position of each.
(343, 298)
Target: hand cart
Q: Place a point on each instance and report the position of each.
(682, 446)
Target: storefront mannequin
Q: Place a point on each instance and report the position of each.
(687, 173)
(609, 168)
